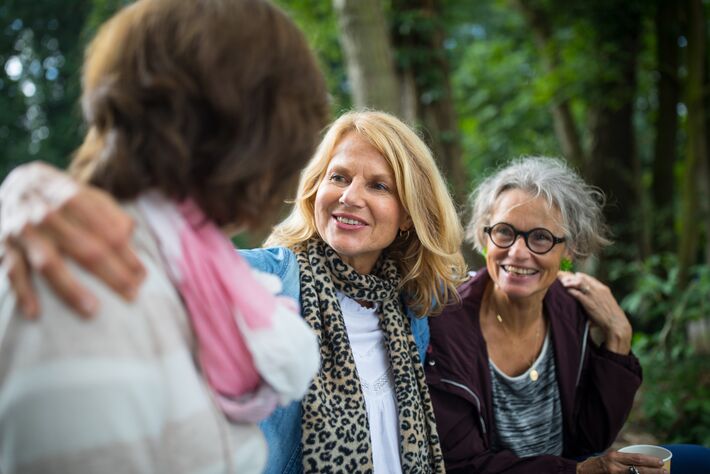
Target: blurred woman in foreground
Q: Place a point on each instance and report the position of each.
(195, 125)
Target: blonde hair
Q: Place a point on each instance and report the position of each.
(429, 258)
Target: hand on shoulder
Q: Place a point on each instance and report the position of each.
(46, 215)
(602, 308)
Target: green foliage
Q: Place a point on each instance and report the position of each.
(675, 397)
(41, 58)
(41, 53)
(317, 20)
(500, 96)
(657, 297)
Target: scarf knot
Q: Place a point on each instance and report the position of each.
(376, 288)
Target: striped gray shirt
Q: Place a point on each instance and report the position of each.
(528, 415)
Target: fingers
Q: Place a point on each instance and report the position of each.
(100, 214)
(581, 284)
(643, 464)
(106, 263)
(602, 309)
(88, 227)
(43, 256)
(621, 463)
(17, 271)
(101, 217)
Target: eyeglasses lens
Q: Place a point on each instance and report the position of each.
(537, 240)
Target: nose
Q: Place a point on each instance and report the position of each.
(352, 195)
(519, 247)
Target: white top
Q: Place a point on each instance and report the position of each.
(372, 362)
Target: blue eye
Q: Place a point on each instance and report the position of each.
(380, 187)
(336, 178)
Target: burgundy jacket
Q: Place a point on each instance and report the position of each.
(597, 387)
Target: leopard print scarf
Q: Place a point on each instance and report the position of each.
(336, 434)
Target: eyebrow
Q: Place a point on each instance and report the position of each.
(387, 177)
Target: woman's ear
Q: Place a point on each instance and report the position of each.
(406, 223)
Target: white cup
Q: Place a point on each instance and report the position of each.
(651, 450)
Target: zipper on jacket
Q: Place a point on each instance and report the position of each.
(584, 350)
(475, 397)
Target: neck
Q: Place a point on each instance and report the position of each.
(518, 315)
(362, 264)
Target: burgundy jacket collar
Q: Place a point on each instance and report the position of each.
(464, 358)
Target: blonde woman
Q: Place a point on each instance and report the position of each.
(370, 247)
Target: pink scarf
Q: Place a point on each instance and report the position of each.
(245, 334)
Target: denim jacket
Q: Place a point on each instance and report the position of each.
(283, 428)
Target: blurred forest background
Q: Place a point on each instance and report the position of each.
(620, 88)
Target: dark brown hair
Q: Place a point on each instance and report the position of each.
(219, 100)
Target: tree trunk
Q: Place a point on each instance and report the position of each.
(612, 168)
(566, 129)
(665, 146)
(418, 37)
(705, 174)
(696, 156)
(613, 161)
(364, 36)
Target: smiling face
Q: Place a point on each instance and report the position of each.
(357, 211)
(516, 271)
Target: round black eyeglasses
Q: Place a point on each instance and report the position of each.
(539, 240)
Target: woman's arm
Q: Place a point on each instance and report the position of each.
(605, 396)
(45, 215)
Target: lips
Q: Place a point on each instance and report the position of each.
(518, 271)
(349, 220)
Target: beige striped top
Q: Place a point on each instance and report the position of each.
(117, 394)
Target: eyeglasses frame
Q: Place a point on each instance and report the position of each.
(517, 233)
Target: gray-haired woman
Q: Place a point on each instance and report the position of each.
(516, 381)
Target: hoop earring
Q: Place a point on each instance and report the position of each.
(403, 234)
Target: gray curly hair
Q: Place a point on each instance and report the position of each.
(580, 204)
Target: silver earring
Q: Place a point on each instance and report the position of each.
(404, 234)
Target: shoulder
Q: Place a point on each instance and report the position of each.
(272, 259)
(279, 261)
(461, 313)
(564, 310)
(457, 344)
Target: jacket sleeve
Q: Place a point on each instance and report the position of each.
(605, 396)
(420, 331)
(278, 261)
(464, 446)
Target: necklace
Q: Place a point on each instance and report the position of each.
(534, 374)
